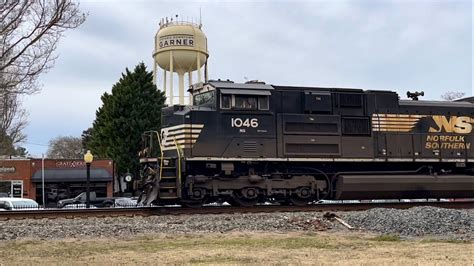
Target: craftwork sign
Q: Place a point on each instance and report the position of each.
(70, 164)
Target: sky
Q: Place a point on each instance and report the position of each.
(390, 45)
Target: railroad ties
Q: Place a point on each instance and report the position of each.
(168, 210)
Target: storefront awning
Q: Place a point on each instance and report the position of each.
(71, 175)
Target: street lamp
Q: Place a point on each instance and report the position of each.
(88, 158)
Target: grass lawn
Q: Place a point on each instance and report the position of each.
(241, 248)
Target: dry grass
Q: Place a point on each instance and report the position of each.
(241, 248)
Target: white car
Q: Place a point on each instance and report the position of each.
(78, 206)
(18, 204)
(127, 203)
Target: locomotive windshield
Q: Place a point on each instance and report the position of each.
(207, 98)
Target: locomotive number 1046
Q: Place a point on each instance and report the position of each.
(244, 122)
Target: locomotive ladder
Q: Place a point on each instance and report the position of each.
(169, 173)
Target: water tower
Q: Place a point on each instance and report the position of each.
(181, 47)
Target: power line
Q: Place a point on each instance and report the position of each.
(32, 143)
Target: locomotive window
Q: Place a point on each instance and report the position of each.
(245, 102)
(205, 98)
(263, 103)
(226, 101)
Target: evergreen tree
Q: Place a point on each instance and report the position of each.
(134, 106)
(86, 137)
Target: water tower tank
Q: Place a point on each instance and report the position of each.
(181, 47)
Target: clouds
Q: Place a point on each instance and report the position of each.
(397, 45)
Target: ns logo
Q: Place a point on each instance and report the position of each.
(456, 124)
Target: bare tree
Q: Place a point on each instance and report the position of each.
(13, 120)
(65, 147)
(452, 95)
(29, 34)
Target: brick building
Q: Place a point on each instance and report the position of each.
(62, 178)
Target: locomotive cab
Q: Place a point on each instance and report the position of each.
(222, 112)
(227, 96)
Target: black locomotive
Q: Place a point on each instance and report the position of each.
(253, 142)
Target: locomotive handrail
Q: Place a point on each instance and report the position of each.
(178, 152)
(161, 155)
(161, 150)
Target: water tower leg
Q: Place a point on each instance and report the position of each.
(181, 88)
(171, 78)
(190, 76)
(205, 73)
(199, 67)
(164, 82)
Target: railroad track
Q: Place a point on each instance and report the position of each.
(149, 211)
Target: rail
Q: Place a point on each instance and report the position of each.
(172, 210)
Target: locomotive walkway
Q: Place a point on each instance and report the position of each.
(172, 210)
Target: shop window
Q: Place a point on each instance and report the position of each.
(11, 188)
(5, 188)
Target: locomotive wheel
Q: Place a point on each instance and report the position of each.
(302, 197)
(297, 201)
(196, 200)
(243, 201)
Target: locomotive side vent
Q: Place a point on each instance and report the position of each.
(250, 146)
(311, 127)
(356, 126)
(351, 100)
(312, 149)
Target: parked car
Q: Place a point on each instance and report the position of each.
(338, 201)
(81, 199)
(18, 204)
(78, 206)
(57, 194)
(127, 203)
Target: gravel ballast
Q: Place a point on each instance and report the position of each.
(419, 221)
(183, 224)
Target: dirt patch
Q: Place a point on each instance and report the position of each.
(242, 248)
